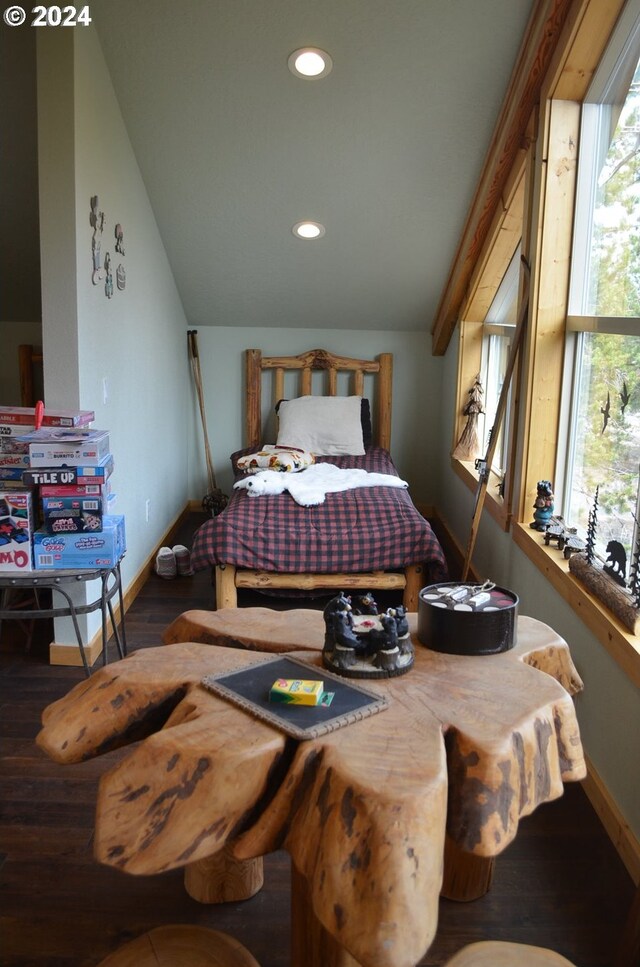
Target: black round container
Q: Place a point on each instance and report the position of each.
(485, 631)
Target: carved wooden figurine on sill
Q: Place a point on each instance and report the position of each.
(543, 506)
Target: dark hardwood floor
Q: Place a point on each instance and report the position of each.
(560, 885)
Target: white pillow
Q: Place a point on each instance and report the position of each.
(324, 425)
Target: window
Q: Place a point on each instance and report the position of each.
(498, 331)
(603, 345)
(489, 314)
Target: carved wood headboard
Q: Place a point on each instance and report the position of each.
(380, 368)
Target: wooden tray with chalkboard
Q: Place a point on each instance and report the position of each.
(249, 688)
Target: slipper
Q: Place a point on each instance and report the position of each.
(166, 563)
(183, 560)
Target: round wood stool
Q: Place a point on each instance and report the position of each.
(496, 953)
(180, 945)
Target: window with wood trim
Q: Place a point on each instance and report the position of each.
(554, 390)
(548, 220)
(488, 321)
(602, 384)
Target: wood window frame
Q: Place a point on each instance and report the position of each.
(502, 241)
(584, 28)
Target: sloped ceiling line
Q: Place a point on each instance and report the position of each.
(544, 30)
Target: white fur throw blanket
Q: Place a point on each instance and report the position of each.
(310, 486)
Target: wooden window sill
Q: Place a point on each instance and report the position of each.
(620, 643)
(493, 503)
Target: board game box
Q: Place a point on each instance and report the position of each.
(24, 416)
(72, 514)
(63, 476)
(69, 448)
(101, 549)
(16, 527)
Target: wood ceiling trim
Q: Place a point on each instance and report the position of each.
(539, 43)
(502, 241)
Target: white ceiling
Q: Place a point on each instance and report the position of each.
(385, 151)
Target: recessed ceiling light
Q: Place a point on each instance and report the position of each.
(308, 230)
(310, 63)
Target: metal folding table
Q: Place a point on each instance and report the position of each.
(62, 581)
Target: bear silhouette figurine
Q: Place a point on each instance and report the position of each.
(616, 564)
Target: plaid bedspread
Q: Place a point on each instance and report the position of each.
(365, 529)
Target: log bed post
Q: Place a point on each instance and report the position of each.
(384, 400)
(226, 591)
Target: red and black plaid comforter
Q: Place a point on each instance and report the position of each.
(366, 529)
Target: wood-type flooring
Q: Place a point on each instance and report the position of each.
(560, 885)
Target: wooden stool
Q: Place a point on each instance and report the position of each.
(180, 945)
(496, 953)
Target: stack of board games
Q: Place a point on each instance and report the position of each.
(15, 422)
(73, 499)
(65, 471)
(18, 506)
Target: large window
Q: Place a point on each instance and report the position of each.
(498, 329)
(573, 198)
(604, 303)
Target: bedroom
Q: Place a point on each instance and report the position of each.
(140, 341)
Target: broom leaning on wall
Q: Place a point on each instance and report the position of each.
(214, 501)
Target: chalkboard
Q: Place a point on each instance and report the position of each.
(249, 688)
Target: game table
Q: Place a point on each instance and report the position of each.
(378, 817)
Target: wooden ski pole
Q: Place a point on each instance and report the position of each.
(485, 464)
(194, 356)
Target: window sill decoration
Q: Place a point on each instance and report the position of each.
(609, 581)
(623, 646)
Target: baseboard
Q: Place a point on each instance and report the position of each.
(616, 826)
(428, 511)
(70, 654)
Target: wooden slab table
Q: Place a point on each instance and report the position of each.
(370, 814)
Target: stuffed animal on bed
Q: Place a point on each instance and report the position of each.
(310, 486)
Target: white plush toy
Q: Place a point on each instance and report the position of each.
(310, 486)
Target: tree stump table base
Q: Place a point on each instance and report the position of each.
(222, 878)
(181, 946)
(497, 953)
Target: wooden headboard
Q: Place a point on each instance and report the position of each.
(306, 364)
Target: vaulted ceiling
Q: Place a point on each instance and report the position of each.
(385, 151)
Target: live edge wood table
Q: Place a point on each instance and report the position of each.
(371, 814)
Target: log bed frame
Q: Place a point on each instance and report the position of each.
(229, 578)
